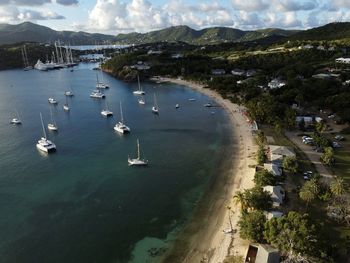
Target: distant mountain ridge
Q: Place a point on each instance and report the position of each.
(204, 36)
(332, 31)
(30, 32)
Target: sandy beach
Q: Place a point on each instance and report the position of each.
(203, 239)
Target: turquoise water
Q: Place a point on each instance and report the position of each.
(84, 203)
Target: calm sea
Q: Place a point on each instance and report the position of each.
(84, 203)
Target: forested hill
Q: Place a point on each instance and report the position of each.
(30, 32)
(332, 31)
(204, 36)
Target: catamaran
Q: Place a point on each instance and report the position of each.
(52, 126)
(69, 93)
(97, 94)
(139, 91)
(142, 101)
(137, 161)
(106, 112)
(16, 119)
(65, 106)
(155, 108)
(101, 85)
(52, 101)
(120, 126)
(44, 144)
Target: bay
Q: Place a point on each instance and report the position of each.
(84, 203)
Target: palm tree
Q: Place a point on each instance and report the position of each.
(239, 198)
(337, 187)
(309, 191)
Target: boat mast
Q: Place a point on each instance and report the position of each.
(138, 149)
(53, 121)
(24, 60)
(121, 112)
(57, 55)
(138, 80)
(26, 56)
(155, 101)
(42, 124)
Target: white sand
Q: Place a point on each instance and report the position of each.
(210, 244)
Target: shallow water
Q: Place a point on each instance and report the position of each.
(84, 203)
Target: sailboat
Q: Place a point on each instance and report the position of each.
(155, 108)
(106, 112)
(142, 101)
(44, 144)
(177, 106)
(16, 120)
(139, 91)
(52, 101)
(52, 126)
(97, 94)
(137, 161)
(101, 85)
(65, 106)
(120, 126)
(25, 59)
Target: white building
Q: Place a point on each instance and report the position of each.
(276, 83)
(273, 168)
(238, 72)
(343, 60)
(277, 194)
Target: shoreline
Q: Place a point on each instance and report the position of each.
(209, 244)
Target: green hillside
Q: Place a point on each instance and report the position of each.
(204, 36)
(30, 32)
(332, 31)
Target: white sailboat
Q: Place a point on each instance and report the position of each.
(16, 119)
(25, 59)
(137, 161)
(52, 126)
(155, 108)
(177, 106)
(120, 126)
(65, 106)
(142, 101)
(139, 91)
(52, 101)
(97, 94)
(101, 85)
(44, 144)
(106, 112)
(69, 93)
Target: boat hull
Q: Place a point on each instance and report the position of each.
(137, 162)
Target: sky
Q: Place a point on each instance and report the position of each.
(123, 16)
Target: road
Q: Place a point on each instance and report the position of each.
(313, 156)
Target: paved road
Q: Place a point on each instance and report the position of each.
(313, 156)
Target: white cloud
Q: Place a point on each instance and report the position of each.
(294, 5)
(67, 2)
(12, 14)
(32, 15)
(250, 5)
(341, 3)
(24, 2)
(288, 20)
(141, 15)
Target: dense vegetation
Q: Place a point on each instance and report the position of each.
(30, 32)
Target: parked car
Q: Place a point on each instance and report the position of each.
(339, 138)
(336, 145)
